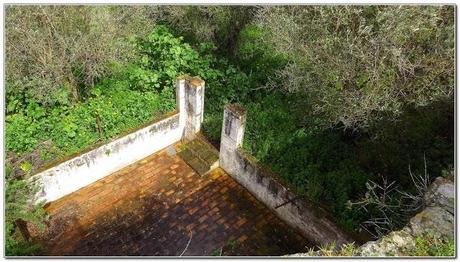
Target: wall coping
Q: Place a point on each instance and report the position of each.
(267, 171)
(196, 81)
(236, 109)
(62, 159)
(67, 174)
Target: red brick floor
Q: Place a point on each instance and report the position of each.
(156, 207)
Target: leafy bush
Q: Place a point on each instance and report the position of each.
(19, 209)
(353, 62)
(162, 58)
(256, 56)
(57, 53)
(74, 128)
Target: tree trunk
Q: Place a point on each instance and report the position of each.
(22, 225)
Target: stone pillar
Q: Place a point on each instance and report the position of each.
(180, 97)
(193, 106)
(232, 135)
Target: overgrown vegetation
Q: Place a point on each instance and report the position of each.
(356, 62)
(20, 210)
(331, 250)
(336, 95)
(56, 54)
(428, 245)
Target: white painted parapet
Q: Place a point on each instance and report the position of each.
(86, 168)
(307, 217)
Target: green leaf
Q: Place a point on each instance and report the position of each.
(26, 166)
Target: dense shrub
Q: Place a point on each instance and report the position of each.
(19, 210)
(57, 53)
(353, 62)
(74, 128)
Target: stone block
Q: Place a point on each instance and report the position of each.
(441, 193)
(435, 221)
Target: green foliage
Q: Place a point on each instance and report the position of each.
(19, 208)
(74, 128)
(366, 95)
(319, 164)
(351, 63)
(428, 245)
(256, 56)
(163, 57)
(26, 167)
(216, 253)
(220, 25)
(56, 54)
(15, 247)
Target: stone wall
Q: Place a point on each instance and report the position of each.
(309, 219)
(436, 219)
(88, 167)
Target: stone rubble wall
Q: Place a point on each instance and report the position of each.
(436, 219)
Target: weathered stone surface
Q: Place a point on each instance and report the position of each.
(200, 155)
(441, 193)
(194, 109)
(390, 245)
(82, 170)
(433, 220)
(436, 219)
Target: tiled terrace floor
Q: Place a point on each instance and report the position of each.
(160, 207)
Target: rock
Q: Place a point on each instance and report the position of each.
(313, 254)
(390, 245)
(436, 219)
(441, 193)
(433, 220)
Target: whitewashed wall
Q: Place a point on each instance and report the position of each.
(91, 166)
(308, 218)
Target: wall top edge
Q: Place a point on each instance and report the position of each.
(237, 109)
(195, 81)
(90, 148)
